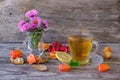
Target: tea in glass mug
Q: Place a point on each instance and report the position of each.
(80, 46)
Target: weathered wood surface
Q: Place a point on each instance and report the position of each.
(102, 17)
(9, 71)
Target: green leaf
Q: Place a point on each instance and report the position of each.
(74, 63)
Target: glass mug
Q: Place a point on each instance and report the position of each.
(81, 46)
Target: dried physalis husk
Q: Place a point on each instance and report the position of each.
(41, 67)
(107, 55)
(41, 60)
(17, 61)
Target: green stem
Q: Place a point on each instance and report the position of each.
(36, 36)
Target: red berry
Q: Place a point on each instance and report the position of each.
(59, 44)
(63, 48)
(49, 50)
(54, 43)
(57, 48)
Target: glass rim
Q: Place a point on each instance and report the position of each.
(82, 34)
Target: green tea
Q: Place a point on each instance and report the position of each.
(80, 47)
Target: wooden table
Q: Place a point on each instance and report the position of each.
(10, 71)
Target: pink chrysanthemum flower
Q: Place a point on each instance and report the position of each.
(36, 21)
(33, 26)
(20, 24)
(26, 27)
(45, 23)
(31, 13)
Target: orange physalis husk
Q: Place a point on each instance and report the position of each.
(107, 49)
(31, 58)
(103, 67)
(52, 55)
(64, 67)
(107, 55)
(45, 45)
(15, 54)
(107, 52)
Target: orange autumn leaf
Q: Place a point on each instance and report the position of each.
(64, 67)
(103, 67)
(107, 49)
(31, 58)
(15, 54)
(45, 45)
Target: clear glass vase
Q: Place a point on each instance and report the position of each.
(34, 43)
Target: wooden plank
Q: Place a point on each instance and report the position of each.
(101, 17)
(27, 72)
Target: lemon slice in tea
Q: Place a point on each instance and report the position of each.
(63, 57)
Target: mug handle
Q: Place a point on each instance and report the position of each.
(95, 46)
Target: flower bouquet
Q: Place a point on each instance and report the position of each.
(33, 26)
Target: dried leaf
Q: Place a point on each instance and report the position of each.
(41, 67)
(41, 60)
(17, 61)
